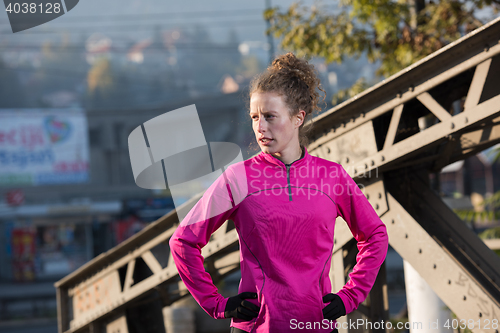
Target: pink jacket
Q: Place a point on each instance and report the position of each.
(285, 218)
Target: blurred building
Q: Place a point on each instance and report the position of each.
(477, 174)
(465, 184)
(53, 222)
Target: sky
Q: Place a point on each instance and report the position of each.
(138, 19)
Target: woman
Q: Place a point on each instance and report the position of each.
(284, 203)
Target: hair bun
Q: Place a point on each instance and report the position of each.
(289, 65)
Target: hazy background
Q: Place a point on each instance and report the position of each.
(108, 54)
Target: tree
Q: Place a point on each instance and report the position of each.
(101, 83)
(109, 85)
(396, 33)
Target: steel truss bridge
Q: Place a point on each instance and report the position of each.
(442, 109)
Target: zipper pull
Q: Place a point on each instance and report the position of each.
(288, 181)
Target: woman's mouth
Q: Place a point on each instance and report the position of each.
(265, 142)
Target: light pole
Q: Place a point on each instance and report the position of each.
(270, 36)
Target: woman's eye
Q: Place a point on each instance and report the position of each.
(267, 117)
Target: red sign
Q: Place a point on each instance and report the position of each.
(23, 254)
(15, 197)
(127, 227)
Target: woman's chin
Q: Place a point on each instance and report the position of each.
(266, 149)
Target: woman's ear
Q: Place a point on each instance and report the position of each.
(300, 118)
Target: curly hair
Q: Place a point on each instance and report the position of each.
(296, 80)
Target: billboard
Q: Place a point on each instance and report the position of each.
(42, 147)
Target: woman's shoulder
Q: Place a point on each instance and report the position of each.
(241, 165)
(323, 161)
(327, 168)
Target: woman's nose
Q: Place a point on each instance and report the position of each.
(261, 126)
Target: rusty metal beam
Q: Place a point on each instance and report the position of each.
(452, 282)
(411, 188)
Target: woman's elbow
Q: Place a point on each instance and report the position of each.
(173, 242)
(380, 236)
(176, 242)
(383, 237)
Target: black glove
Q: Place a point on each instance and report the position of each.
(335, 309)
(237, 307)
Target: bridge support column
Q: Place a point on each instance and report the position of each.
(424, 306)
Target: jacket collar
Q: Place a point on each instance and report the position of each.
(275, 161)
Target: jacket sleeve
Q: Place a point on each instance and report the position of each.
(373, 241)
(210, 212)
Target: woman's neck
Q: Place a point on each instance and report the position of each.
(290, 154)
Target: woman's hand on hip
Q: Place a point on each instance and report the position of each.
(336, 307)
(238, 307)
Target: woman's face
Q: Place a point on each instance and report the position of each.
(271, 120)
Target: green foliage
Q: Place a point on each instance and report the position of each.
(469, 216)
(495, 152)
(390, 31)
(345, 94)
(100, 76)
(491, 214)
(104, 85)
(491, 233)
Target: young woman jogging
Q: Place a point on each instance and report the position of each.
(284, 203)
